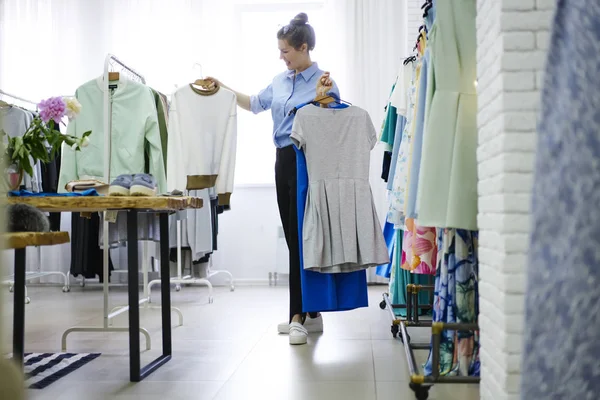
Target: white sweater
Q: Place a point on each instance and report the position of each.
(202, 141)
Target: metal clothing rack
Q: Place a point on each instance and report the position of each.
(10, 281)
(110, 63)
(188, 279)
(419, 383)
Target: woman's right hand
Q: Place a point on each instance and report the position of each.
(214, 82)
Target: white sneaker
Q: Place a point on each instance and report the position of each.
(312, 325)
(298, 333)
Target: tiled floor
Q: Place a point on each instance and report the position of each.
(227, 350)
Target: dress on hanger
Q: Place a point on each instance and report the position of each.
(562, 298)
(325, 292)
(447, 187)
(341, 232)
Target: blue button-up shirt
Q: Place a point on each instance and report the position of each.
(285, 93)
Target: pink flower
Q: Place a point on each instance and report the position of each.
(53, 108)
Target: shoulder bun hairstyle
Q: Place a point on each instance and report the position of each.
(298, 32)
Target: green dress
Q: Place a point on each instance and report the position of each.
(447, 191)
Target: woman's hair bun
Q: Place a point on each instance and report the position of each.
(300, 19)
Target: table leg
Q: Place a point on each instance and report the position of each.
(136, 372)
(134, 296)
(165, 284)
(19, 307)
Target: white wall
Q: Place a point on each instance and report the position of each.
(512, 39)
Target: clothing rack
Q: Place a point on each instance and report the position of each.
(37, 274)
(110, 63)
(419, 382)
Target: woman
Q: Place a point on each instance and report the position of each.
(296, 86)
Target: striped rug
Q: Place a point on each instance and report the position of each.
(42, 369)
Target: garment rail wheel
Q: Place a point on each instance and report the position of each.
(66, 289)
(11, 289)
(178, 288)
(210, 300)
(421, 392)
(395, 330)
(382, 305)
(232, 288)
(27, 300)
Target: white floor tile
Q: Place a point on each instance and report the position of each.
(227, 350)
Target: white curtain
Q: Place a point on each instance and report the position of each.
(50, 47)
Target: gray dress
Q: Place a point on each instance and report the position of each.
(341, 228)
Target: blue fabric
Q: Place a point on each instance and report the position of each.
(415, 167)
(325, 292)
(400, 124)
(562, 298)
(283, 94)
(389, 234)
(26, 193)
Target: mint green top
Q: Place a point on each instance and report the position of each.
(134, 127)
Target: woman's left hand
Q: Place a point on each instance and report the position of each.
(325, 84)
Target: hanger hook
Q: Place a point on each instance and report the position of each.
(200, 66)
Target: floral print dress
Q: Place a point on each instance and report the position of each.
(456, 301)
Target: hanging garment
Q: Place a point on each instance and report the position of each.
(388, 131)
(400, 94)
(562, 297)
(196, 228)
(399, 278)
(161, 115)
(50, 172)
(15, 122)
(341, 228)
(134, 122)
(385, 168)
(87, 259)
(325, 292)
(456, 300)
(419, 249)
(447, 188)
(202, 141)
(400, 124)
(396, 207)
(417, 141)
(389, 234)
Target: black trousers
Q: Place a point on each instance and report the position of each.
(285, 182)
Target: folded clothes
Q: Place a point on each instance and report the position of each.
(26, 193)
(86, 184)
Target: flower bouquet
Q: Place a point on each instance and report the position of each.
(42, 140)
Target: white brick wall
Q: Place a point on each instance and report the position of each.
(512, 40)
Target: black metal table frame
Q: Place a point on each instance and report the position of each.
(136, 372)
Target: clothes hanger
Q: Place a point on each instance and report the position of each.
(204, 85)
(114, 76)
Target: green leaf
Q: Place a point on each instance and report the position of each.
(86, 134)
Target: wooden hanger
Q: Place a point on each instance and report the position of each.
(324, 100)
(114, 76)
(203, 83)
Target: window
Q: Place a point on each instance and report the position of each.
(257, 27)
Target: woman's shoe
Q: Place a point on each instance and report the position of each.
(298, 333)
(312, 325)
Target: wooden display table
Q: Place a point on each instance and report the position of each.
(107, 203)
(19, 242)
(160, 205)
